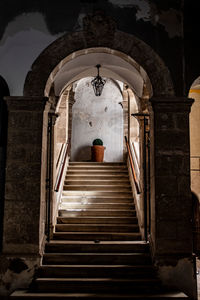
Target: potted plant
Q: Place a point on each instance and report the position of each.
(97, 150)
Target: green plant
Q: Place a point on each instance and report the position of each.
(97, 142)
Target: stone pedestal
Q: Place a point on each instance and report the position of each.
(171, 204)
(25, 175)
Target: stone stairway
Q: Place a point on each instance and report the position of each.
(96, 251)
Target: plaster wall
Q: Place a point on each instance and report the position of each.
(97, 117)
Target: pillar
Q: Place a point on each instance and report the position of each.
(171, 205)
(23, 228)
(71, 102)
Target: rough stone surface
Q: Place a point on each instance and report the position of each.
(16, 272)
(17, 265)
(23, 174)
(178, 272)
(61, 48)
(171, 178)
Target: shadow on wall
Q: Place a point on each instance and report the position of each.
(83, 154)
(4, 91)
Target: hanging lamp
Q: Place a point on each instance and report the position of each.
(98, 82)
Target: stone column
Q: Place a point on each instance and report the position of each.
(25, 174)
(171, 205)
(71, 102)
(51, 194)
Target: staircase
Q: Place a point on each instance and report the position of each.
(96, 251)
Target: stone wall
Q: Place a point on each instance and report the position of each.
(27, 29)
(171, 203)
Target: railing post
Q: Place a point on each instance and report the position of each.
(49, 181)
(146, 173)
(137, 186)
(148, 183)
(62, 166)
(145, 180)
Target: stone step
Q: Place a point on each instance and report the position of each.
(93, 198)
(94, 271)
(97, 172)
(82, 205)
(97, 167)
(97, 220)
(97, 248)
(96, 285)
(115, 177)
(94, 212)
(104, 182)
(105, 188)
(96, 228)
(97, 236)
(89, 247)
(27, 295)
(80, 199)
(96, 258)
(80, 163)
(86, 193)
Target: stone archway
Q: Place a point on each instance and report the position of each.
(27, 130)
(107, 37)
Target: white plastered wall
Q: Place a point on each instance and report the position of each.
(97, 117)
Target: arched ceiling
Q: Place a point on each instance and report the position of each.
(112, 66)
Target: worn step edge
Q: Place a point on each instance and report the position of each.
(90, 204)
(92, 213)
(116, 176)
(139, 243)
(96, 171)
(24, 293)
(95, 210)
(97, 227)
(97, 188)
(78, 213)
(94, 207)
(98, 193)
(98, 167)
(98, 201)
(79, 254)
(96, 163)
(95, 197)
(116, 180)
(99, 280)
(104, 266)
(97, 220)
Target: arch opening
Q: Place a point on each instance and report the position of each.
(138, 67)
(84, 117)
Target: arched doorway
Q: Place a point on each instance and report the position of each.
(132, 99)
(168, 185)
(60, 65)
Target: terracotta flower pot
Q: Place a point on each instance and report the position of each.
(97, 153)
